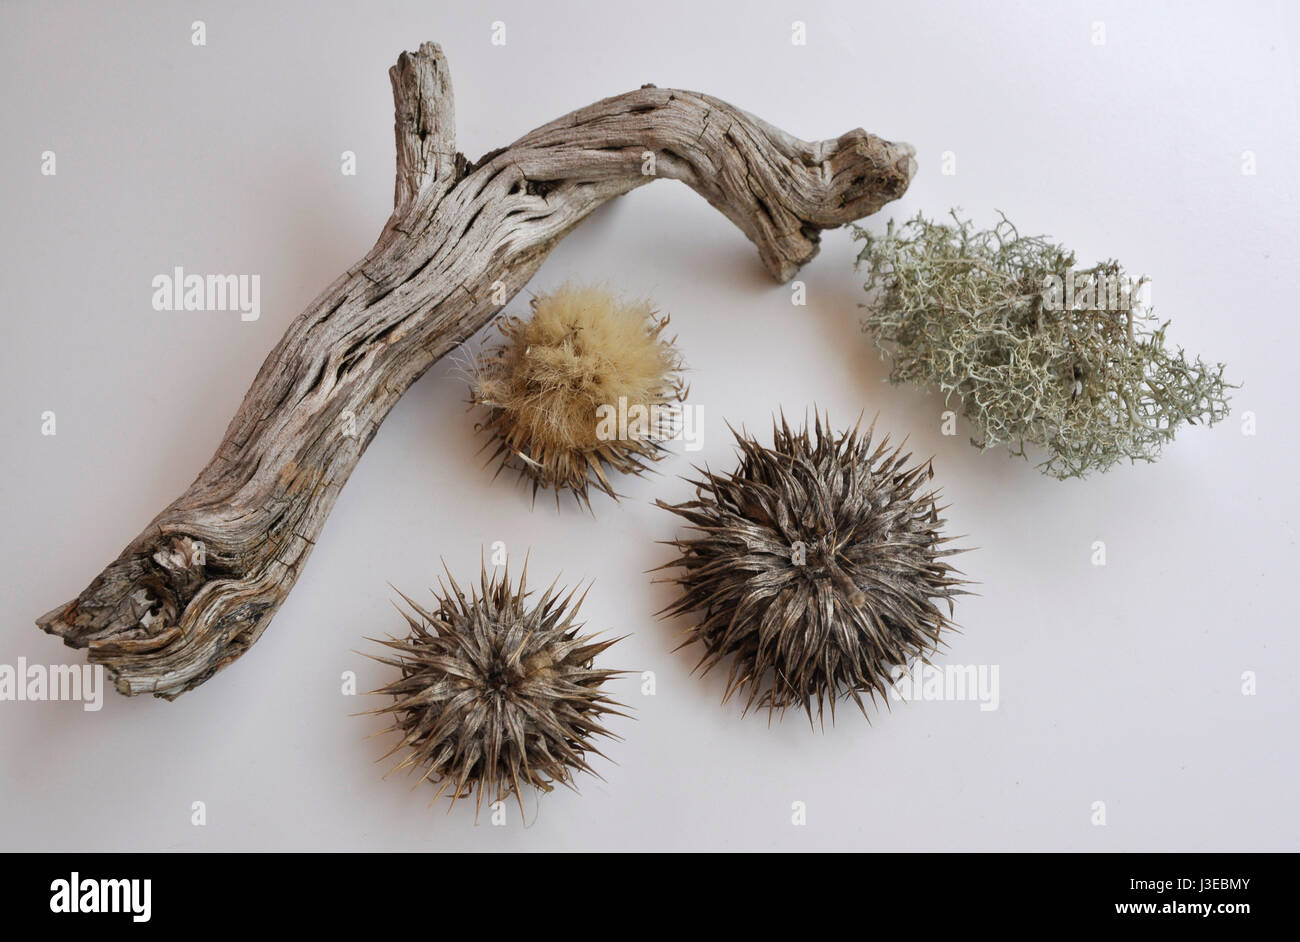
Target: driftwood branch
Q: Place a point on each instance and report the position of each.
(200, 584)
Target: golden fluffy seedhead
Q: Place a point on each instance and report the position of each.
(496, 693)
(818, 565)
(551, 388)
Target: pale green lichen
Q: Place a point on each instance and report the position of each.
(1036, 351)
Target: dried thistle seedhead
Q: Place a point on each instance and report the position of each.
(818, 567)
(1037, 351)
(496, 693)
(557, 385)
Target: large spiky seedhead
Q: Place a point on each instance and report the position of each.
(496, 693)
(588, 385)
(818, 567)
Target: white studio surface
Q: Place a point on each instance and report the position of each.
(1120, 684)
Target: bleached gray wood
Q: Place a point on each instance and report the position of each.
(200, 584)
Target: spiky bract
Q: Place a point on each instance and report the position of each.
(818, 567)
(584, 357)
(497, 693)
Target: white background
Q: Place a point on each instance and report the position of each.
(1119, 683)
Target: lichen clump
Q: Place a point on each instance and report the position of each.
(817, 567)
(1037, 351)
(587, 385)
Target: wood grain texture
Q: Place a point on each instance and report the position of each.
(194, 591)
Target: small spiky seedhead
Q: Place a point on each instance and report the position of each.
(496, 694)
(586, 386)
(819, 567)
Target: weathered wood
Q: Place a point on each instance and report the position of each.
(200, 584)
